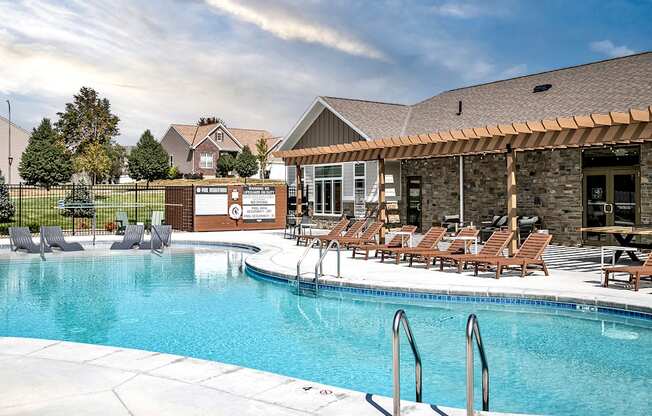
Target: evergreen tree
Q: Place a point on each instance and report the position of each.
(46, 161)
(225, 164)
(88, 119)
(246, 164)
(204, 121)
(117, 155)
(80, 194)
(148, 160)
(7, 208)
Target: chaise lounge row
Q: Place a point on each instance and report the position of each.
(363, 241)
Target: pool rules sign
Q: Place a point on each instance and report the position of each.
(258, 204)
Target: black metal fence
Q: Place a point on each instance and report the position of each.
(35, 206)
(292, 198)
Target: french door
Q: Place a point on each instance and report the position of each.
(611, 198)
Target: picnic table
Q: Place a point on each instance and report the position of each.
(624, 237)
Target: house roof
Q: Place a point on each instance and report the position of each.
(614, 85)
(193, 134)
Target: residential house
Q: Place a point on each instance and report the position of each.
(19, 140)
(196, 149)
(572, 146)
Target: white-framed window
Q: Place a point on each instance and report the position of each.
(359, 189)
(206, 160)
(328, 190)
(220, 136)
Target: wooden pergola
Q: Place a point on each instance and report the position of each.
(595, 129)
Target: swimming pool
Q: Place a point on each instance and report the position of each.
(198, 302)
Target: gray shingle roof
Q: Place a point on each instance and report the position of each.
(612, 85)
(374, 118)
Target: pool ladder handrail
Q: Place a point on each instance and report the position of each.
(151, 242)
(400, 317)
(473, 330)
(41, 243)
(303, 256)
(319, 266)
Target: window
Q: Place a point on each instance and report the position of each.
(171, 160)
(206, 160)
(328, 190)
(220, 136)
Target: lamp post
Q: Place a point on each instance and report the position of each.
(10, 159)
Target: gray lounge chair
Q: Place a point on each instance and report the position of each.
(165, 231)
(133, 236)
(21, 239)
(54, 238)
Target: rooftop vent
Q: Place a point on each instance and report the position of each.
(542, 88)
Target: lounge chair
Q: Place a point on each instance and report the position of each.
(456, 247)
(121, 220)
(429, 242)
(157, 218)
(635, 272)
(21, 239)
(493, 247)
(353, 232)
(133, 236)
(367, 237)
(165, 233)
(497, 223)
(336, 231)
(291, 225)
(54, 238)
(396, 241)
(529, 254)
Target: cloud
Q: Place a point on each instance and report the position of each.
(466, 10)
(288, 26)
(514, 71)
(609, 49)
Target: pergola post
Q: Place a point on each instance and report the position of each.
(512, 219)
(382, 209)
(299, 191)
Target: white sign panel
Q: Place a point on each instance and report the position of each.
(211, 200)
(259, 203)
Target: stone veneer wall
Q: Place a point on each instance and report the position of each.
(549, 185)
(646, 184)
(439, 187)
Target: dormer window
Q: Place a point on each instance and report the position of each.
(220, 136)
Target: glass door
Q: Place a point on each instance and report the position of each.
(414, 201)
(610, 199)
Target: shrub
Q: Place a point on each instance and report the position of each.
(7, 208)
(110, 226)
(193, 175)
(246, 164)
(173, 173)
(225, 164)
(80, 194)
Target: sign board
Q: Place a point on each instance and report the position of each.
(235, 211)
(211, 200)
(259, 204)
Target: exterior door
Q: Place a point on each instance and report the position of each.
(611, 198)
(414, 201)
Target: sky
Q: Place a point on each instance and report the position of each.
(260, 63)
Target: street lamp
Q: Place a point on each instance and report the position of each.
(9, 158)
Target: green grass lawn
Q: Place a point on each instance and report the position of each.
(39, 207)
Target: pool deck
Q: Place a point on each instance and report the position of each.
(60, 378)
(43, 377)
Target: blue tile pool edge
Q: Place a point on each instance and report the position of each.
(576, 304)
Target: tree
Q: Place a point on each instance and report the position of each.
(88, 119)
(225, 164)
(117, 155)
(79, 195)
(94, 161)
(46, 161)
(7, 208)
(246, 164)
(148, 160)
(204, 121)
(262, 154)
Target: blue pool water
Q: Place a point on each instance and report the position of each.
(197, 302)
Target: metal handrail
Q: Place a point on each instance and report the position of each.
(303, 256)
(472, 328)
(319, 267)
(401, 317)
(151, 242)
(41, 244)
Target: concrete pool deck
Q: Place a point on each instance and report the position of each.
(63, 378)
(60, 378)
